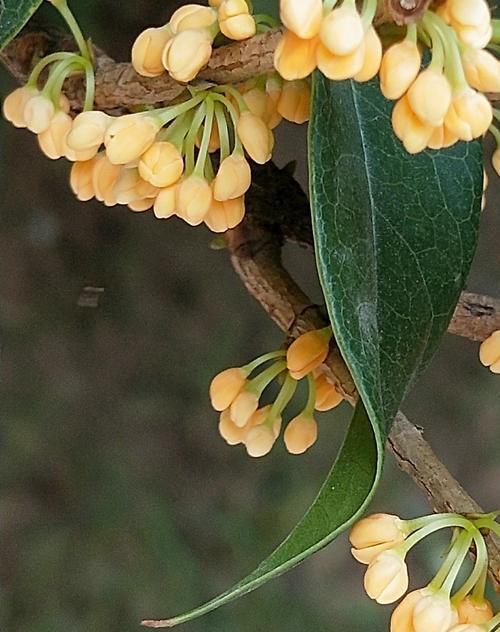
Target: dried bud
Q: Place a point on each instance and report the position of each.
(434, 613)
(386, 578)
(257, 138)
(233, 178)
(187, 53)
(14, 104)
(302, 17)
(225, 387)
(147, 51)
(194, 198)
(342, 31)
(300, 434)
(129, 136)
(399, 68)
(307, 352)
(295, 58)
(161, 164)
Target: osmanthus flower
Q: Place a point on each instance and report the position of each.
(489, 352)
(383, 541)
(237, 395)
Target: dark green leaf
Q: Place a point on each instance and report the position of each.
(270, 7)
(343, 496)
(13, 16)
(395, 237)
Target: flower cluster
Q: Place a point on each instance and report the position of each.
(489, 352)
(237, 396)
(382, 542)
(435, 106)
(183, 46)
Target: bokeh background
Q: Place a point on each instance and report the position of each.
(118, 499)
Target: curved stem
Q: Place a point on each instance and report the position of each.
(479, 567)
(74, 27)
(43, 63)
(199, 168)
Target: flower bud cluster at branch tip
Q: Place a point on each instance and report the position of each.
(436, 106)
(236, 394)
(382, 542)
(489, 352)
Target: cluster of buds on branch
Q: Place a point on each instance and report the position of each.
(237, 396)
(382, 542)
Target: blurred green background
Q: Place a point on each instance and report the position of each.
(118, 499)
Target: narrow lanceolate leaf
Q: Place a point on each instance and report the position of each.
(13, 16)
(395, 235)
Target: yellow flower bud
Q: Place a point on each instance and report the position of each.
(139, 206)
(495, 160)
(14, 104)
(399, 68)
(229, 431)
(308, 352)
(235, 20)
(327, 396)
(342, 31)
(340, 67)
(147, 51)
(104, 177)
(434, 613)
(130, 136)
(187, 53)
(295, 58)
(300, 434)
(257, 138)
(489, 352)
(223, 216)
(165, 205)
(295, 102)
(368, 554)
(386, 578)
(233, 178)
(473, 36)
(261, 438)
(89, 129)
(411, 131)
(81, 179)
(475, 611)
(161, 164)
(429, 96)
(256, 100)
(194, 198)
(469, 115)
(402, 616)
(38, 113)
(53, 140)
(373, 56)
(130, 187)
(302, 17)
(379, 528)
(192, 16)
(469, 12)
(482, 70)
(243, 407)
(225, 387)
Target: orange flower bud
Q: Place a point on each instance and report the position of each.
(434, 613)
(482, 70)
(300, 434)
(386, 578)
(469, 12)
(469, 115)
(489, 353)
(402, 616)
(229, 431)
(429, 97)
(194, 198)
(161, 164)
(295, 102)
(243, 407)
(81, 179)
(368, 554)
(223, 216)
(379, 528)
(475, 611)
(413, 133)
(256, 100)
(89, 129)
(342, 31)
(295, 58)
(225, 387)
(307, 352)
(302, 17)
(399, 68)
(166, 202)
(104, 177)
(130, 187)
(187, 53)
(235, 20)
(139, 206)
(147, 51)
(261, 438)
(38, 113)
(233, 178)
(327, 396)
(257, 138)
(130, 136)
(340, 67)
(192, 16)
(53, 140)
(14, 104)
(373, 56)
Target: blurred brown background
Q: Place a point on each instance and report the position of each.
(118, 499)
